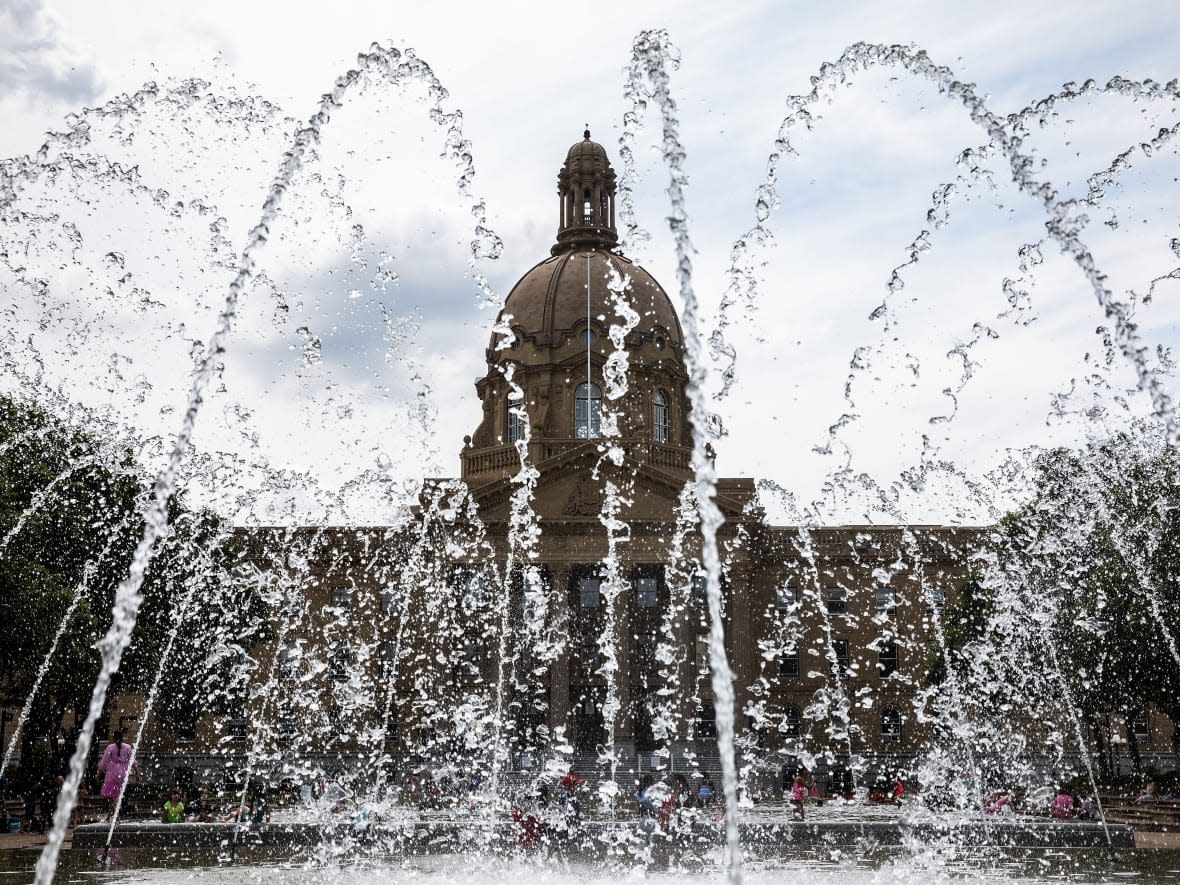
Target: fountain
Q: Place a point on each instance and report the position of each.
(491, 665)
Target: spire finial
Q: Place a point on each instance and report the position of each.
(586, 133)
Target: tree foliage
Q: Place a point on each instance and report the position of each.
(70, 518)
(1076, 614)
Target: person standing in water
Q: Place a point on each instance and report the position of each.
(798, 797)
(115, 761)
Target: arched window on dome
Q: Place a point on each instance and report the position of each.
(587, 209)
(661, 424)
(587, 411)
(515, 422)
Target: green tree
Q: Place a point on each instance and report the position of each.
(1080, 603)
(70, 504)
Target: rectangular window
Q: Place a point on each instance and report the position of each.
(700, 591)
(474, 586)
(702, 650)
(587, 412)
(186, 731)
(386, 653)
(645, 651)
(1138, 725)
(515, 423)
(288, 663)
(785, 598)
(840, 647)
(342, 597)
(661, 422)
(287, 729)
(585, 651)
(235, 726)
(887, 658)
(885, 600)
(338, 661)
(836, 599)
(790, 727)
(390, 601)
(788, 665)
(336, 723)
(589, 592)
(935, 598)
(647, 592)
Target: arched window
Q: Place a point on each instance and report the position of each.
(890, 726)
(661, 425)
(587, 411)
(515, 422)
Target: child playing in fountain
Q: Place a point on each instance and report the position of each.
(116, 759)
(570, 811)
(798, 797)
(812, 787)
(173, 809)
(644, 799)
(705, 793)
(529, 819)
(1063, 803)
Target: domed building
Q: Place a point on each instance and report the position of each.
(525, 615)
(560, 313)
(788, 595)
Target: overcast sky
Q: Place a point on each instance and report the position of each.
(367, 323)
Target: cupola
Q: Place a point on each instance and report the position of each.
(586, 190)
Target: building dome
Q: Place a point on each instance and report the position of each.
(560, 313)
(586, 152)
(549, 302)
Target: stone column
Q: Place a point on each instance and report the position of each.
(624, 727)
(740, 639)
(559, 673)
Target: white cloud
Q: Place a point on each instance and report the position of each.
(40, 60)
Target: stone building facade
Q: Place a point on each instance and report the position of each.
(403, 646)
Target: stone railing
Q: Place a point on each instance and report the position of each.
(503, 459)
(668, 457)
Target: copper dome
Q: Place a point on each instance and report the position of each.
(587, 150)
(549, 302)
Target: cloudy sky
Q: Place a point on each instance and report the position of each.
(352, 363)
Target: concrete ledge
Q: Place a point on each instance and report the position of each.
(998, 833)
(445, 836)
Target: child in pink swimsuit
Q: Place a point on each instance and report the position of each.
(115, 761)
(798, 796)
